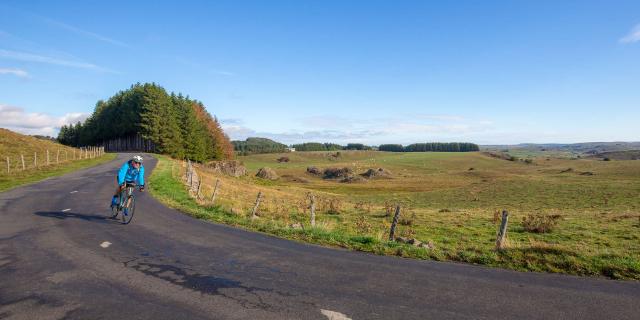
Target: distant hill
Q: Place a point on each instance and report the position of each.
(258, 145)
(619, 155)
(582, 148)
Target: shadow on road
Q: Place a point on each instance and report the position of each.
(102, 218)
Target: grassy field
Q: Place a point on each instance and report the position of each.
(447, 199)
(62, 159)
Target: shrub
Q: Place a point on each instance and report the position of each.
(540, 223)
(389, 208)
(334, 206)
(497, 216)
(314, 170)
(406, 221)
(364, 206)
(283, 159)
(363, 226)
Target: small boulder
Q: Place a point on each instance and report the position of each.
(402, 239)
(428, 245)
(337, 173)
(377, 173)
(353, 179)
(232, 168)
(296, 225)
(267, 173)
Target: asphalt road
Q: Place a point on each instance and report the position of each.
(62, 258)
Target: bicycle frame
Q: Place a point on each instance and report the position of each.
(126, 193)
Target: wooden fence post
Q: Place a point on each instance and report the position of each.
(502, 233)
(35, 159)
(215, 192)
(312, 208)
(392, 232)
(8, 166)
(48, 162)
(255, 208)
(22, 159)
(198, 189)
(58, 157)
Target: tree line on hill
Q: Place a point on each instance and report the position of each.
(263, 145)
(431, 147)
(176, 125)
(258, 145)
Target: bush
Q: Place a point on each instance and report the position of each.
(334, 206)
(363, 226)
(540, 223)
(283, 159)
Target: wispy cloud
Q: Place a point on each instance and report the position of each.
(632, 36)
(398, 129)
(16, 119)
(85, 33)
(16, 72)
(30, 57)
(231, 121)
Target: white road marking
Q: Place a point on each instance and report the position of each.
(332, 315)
(105, 244)
(74, 191)
(65, 210)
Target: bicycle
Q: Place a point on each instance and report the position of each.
(126, 201)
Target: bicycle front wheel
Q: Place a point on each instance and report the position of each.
(114, 211)
(128, 210)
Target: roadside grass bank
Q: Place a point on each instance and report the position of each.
(20, 178)
(583, 244)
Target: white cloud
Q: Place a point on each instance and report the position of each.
(16, 119)
(30, 57)
(16, 72)
(632, 36)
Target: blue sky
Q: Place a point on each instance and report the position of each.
(375, 72)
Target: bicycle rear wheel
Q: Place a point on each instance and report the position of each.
(130, 207)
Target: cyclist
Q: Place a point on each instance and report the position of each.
(130, 172)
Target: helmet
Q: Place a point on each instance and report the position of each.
(137, 159)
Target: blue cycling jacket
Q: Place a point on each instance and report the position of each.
(128, 173)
